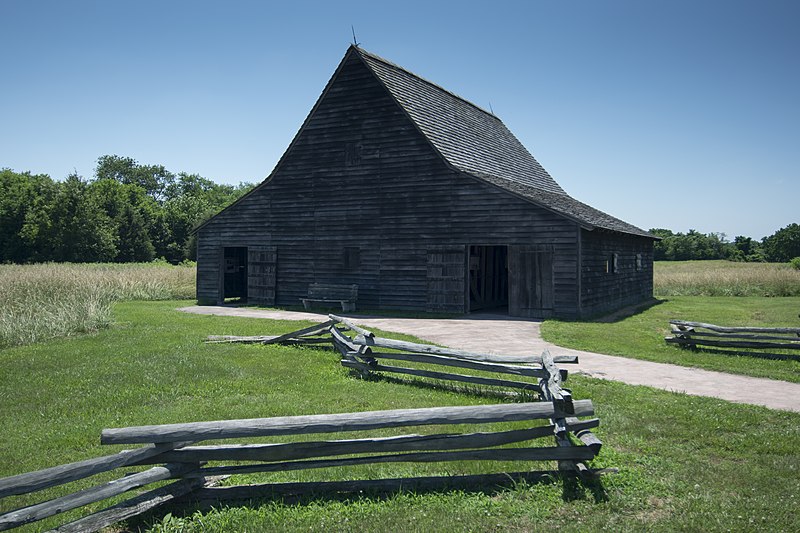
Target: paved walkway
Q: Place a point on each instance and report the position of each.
(509, 336)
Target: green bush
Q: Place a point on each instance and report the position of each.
(795, 263)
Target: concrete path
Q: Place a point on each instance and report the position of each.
(502, 334)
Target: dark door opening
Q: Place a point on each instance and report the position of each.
(235, 274)
(488, 278)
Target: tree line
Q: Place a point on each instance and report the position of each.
(126, 212)
(133, 212)
(780, 247)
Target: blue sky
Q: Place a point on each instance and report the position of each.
(675, 114)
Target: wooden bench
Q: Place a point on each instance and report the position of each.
(346, 295)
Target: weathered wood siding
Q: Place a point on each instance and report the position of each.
(632, 283)
(360, 175)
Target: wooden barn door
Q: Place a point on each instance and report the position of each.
(447, 287)
(530, 278)
(261, 274)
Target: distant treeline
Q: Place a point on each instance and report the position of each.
(780, 247)
(126, 212)
(133, 212)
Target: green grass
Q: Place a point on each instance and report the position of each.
(641, 336)
(54, 300)
(724, 278)
(686, 463)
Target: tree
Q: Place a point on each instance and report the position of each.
(81, 231)
(134, 239)
(153, 179)
(783, 245)
(24, 200)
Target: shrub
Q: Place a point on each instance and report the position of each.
(795, 263)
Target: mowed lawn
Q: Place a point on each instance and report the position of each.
(641, 336)
(686, 463)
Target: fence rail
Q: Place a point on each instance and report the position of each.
(173, 451)
(699, 334)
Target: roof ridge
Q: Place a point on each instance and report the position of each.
(427, 81)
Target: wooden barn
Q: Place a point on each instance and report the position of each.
(426, 202)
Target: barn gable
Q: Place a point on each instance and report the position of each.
(424, 200)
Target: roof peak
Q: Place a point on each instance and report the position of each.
(429, 82)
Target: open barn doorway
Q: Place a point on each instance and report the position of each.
(234, 266)
(488, 278)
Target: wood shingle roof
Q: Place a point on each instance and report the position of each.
(477, 143)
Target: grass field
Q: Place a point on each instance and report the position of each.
(641, 336)
(724, 278)
(54, 300)
(686, 463)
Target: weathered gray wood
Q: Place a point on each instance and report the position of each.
(132, 507)
(305, 331)
(260, 339)
(346, 295)
(349, 323)
(91, 495)
(493, 454)
(475, 380)
(343, 342)
(248, 339)
(517, 370)
(307, 450)
(399, 202)
(58, 475)
(328, 423)
(749, 336)
(583, 433)
(724, 329)
(436, 350)
(551, 386)
(590, 439)
(733, 344)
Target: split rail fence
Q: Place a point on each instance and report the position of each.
(175, 451)
(736, 339)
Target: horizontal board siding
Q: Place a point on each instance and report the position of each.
(602, 291)
(360, 175)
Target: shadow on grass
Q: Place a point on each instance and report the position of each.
(622, 314)
(474, 391)
(745, 353)
(575, 487)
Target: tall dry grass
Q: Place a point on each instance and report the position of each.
(725, 278)
(54, 300)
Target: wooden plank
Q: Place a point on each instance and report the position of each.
(551, 385)
(306, 450)
(492, 454)
(723, 329)
(446, 376)
(750, 336)
(734, 344)
(132, 507)
(310, 330)
(43, 510)
(328, 423)
(58, 475)
(406, 346)
(349, 323)
(516, 370)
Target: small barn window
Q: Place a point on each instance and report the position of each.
(639, 266)
(352, 154)
(352, 258)
(612, 264)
